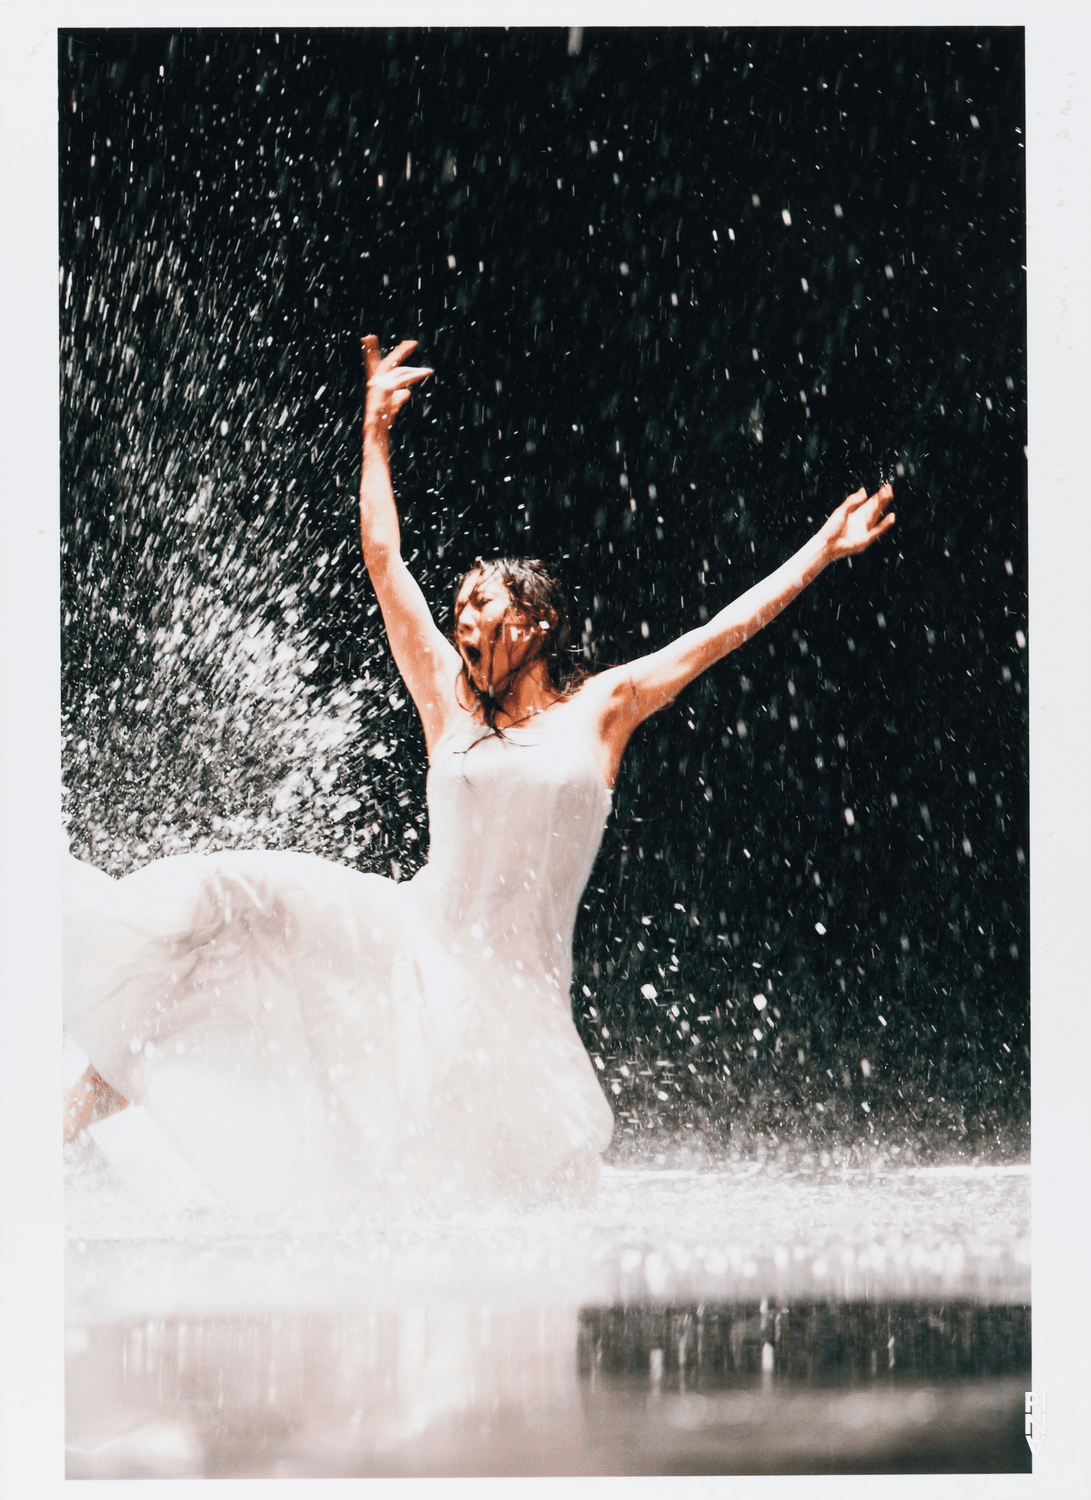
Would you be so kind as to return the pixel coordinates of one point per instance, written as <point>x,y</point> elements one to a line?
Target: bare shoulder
<point>605,691</point>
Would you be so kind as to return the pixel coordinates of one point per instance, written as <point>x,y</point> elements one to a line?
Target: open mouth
<point>472,654</point>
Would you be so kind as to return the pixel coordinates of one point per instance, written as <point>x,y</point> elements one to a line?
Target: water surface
<point>728,1317</point>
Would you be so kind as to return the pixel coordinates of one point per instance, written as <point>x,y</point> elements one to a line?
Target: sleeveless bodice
<point>515,823</point>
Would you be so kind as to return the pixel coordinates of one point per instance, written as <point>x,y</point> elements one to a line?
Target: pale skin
<point>498,648</point>
<point>92,1099</point>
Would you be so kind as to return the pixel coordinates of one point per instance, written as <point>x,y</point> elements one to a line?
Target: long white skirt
<point>305,1037</point>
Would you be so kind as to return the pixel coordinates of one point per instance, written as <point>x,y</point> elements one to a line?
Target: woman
<point>305,1033</point>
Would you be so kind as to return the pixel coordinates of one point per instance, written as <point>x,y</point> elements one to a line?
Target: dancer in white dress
<point>306,1034</point>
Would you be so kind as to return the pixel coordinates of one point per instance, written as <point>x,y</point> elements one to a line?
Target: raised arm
<point>632,693</point>
<point>427,662</point>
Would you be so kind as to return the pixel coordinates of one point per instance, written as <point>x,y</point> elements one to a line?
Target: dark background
<point>683,290</point>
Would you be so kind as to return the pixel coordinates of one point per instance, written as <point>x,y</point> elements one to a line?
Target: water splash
<point>216,729</point>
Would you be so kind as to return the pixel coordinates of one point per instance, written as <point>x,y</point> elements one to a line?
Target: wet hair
<point>539,599</point>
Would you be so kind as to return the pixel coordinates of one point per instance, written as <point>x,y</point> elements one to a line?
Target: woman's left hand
<point>857,522</point>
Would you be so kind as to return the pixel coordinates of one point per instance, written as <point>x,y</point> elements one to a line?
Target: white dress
<point>310,1036</point>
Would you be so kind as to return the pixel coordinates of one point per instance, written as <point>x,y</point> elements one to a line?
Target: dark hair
<point>537,594</point>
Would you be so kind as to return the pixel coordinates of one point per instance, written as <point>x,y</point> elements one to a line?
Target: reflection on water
<point>459,1389</point>
<point>737,1318</point>
<point>379,1392</point>
<point>690,1348</point>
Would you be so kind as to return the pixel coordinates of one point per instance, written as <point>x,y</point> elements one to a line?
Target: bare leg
<point>92,1099</point>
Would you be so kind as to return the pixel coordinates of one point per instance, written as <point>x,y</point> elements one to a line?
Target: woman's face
<point>490,633</point>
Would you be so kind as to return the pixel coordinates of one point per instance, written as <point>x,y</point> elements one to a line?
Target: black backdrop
<point>683,290</point>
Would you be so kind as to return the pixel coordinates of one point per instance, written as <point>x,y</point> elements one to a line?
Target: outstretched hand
<point>857,522</point>
<point>388,381</point>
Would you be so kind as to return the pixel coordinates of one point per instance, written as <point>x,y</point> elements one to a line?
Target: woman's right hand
<point>388,382</point>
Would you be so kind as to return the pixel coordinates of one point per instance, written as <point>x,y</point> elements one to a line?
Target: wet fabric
<point>306,1034</point>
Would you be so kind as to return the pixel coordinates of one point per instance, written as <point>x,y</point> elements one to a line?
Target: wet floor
<point>716,1319</point>
<point>462,1389</point>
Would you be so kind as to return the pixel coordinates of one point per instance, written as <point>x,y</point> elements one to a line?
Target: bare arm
<point>630,694</point>
<point>427,662</point>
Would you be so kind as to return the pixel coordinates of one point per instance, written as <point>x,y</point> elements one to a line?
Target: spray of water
<point>215,729</point>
